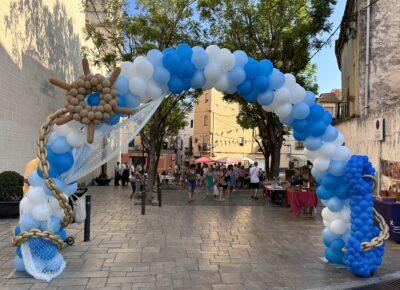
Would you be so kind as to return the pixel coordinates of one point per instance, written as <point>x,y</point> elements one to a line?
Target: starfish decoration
<point>91,99</point>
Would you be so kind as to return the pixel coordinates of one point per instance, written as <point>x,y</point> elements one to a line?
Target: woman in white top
<point>254,179</point>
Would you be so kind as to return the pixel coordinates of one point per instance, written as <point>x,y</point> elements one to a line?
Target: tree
<point>284,31</point>
<point>120,36</point>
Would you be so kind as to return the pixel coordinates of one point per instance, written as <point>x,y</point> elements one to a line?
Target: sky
<point>328,74</point>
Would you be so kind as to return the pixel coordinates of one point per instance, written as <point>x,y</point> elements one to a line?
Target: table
<point>298,198</point>
<point>275,195</point>
<point>390,211</point>
<point>168,179</point>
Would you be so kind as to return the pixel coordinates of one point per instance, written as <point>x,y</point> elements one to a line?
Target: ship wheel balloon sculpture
<point>354,232</point>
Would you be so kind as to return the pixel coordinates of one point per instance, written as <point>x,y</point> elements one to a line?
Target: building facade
<point>184,141</point>
<point>38,40</point>
<point>368,56</point>
<point>330,102</point>
<point>216,131</point>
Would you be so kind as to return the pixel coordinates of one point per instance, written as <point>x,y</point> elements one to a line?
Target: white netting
<point>108,143</point>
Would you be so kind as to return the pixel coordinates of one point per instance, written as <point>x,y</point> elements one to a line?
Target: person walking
<point>184,170</point>
<point>254,173</point>
<point>209,177</point>
<point>230,180</point>
<point>125,174</point>
<point>222,184</point>
<point>132,180</point>
<point>191,181</point>
<point>117,175</point>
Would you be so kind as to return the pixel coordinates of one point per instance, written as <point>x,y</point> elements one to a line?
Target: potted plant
<point>103,179</point>
<point>11,193</point>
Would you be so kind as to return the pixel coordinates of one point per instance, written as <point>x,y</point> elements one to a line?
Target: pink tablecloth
<point>298,198</point>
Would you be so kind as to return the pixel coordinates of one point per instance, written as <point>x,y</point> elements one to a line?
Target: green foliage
<point>11,184</point>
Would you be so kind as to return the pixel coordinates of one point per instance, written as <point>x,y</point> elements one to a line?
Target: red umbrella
<point>203,160</point>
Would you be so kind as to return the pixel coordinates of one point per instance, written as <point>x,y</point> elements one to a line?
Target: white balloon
<point>75,125</point>
<point>139,59</point>
<point>321,164</point>
<point>24,206</point>
<point>342,154</point>
<point>282,96</point>
<point>269,108</point>
<point>222,84</point>
<point>213,52</point>
<point>298,93</point>
<point>76,138</point>
<point>41,212</point>
<point>226,60</point>
<point>212,72</point>
<point>283,111</point>
<point>62,130</point>
<point>326,223</point>
<point>345,214</point>
<point>153,91</point>
<point>324,202</point>
<point>36,195</point>
<point>346,236</point>
<point>137,86</point>
<point>327,150</point>
<point>338,227</point>
<point>143,68</point>
<point>290,80</point>
<point>127,69</point>
<point>339,140</point>
<point>329,215</point>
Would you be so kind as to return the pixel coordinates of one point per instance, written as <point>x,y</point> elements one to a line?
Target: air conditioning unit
<point>379,129</point>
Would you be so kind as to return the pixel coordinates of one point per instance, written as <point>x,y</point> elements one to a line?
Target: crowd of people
<point>217,180</point>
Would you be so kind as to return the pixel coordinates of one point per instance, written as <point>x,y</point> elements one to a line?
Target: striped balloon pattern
<point>346,195</point>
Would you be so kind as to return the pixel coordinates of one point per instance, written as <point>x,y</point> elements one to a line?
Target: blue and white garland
<point>347,216</point>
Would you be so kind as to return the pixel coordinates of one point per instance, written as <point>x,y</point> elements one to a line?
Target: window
<point>191,123</point>
<point>205,120</point>
<point>299,145</point>
<point>206,97</point>
<point>330,110</point>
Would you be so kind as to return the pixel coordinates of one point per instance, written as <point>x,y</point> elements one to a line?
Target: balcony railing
<point>343,110</point>
<point>204,147</point>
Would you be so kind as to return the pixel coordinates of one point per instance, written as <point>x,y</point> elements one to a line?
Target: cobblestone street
<point>238,244</point>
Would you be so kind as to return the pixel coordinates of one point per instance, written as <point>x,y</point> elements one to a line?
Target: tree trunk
<point>275,160</point>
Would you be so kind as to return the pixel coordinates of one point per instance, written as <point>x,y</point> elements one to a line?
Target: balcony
<point>204,147</point>
<point>343,110</point>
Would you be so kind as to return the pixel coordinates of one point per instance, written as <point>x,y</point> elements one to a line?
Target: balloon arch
<point>85,133</point>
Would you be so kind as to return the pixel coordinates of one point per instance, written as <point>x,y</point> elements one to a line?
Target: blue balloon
<point>330,181</point>
<point>245,88</point>
<point>252,96</point>
<point>17,230</point>
<point>18,251</point>
<point>52,136</point>
<point>35,180</point>
<point>53,224</point>
<point>121,102</point>
<point>155,57</point>
<point>18,264</point>
<point>335,204</point>
<point>266,67</point>
<point>184,51</point>
<point>63,234</point>
<point>168,49</point>
<point>337,168</point>
<point>237,75</point>
<point>240,58</point>
<point>132,101</point>
<point>328,235</point>
<point>93,99</point>
<point>316,112</point>
<point>266,98</point>
<point>316,129</point>
<point>27,222</point>
<point>333,257</point>
<point>330,134</point>
<point>69,189</point>
<point>161,75</point>
<point>288,121</point>
<point>114,119</point>
<point>171,61</point>
<point>327,243</point>
<point>324,193</point>
<point>122,85</point>
<point>187,70</point>
<point>199,57</point>
<point>309,98</point>
<point>317,175</point>
<point>46,250</point>
<point>313,143</point>
<point>276,79</point>
<point>342,191</point>
<point>55,263</point>
<point>60,145</point>
<point>261,83</point>
<point>176,85</point>
<point>63,162</point>
<point>300,125</point>
<point>251,68</point>
<point>327,118</point>
<point>198,80</point>
<point>300,136</point>
<point>300,110</point>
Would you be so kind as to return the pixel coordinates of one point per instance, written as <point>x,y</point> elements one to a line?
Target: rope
<point>44,166</point>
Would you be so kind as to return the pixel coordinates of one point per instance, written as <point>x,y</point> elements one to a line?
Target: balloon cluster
<point>359,262</point>
<point>175,70</point>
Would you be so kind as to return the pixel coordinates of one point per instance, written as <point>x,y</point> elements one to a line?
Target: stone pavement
<point>240,244</point>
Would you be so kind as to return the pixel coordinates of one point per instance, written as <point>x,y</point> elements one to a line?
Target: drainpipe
<point>367,47</point>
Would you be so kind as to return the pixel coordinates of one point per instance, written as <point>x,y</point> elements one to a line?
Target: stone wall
<point>359,134</point>
<point>384,53</point>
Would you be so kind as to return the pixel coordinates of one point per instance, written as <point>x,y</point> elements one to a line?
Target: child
<point>191,181</point>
